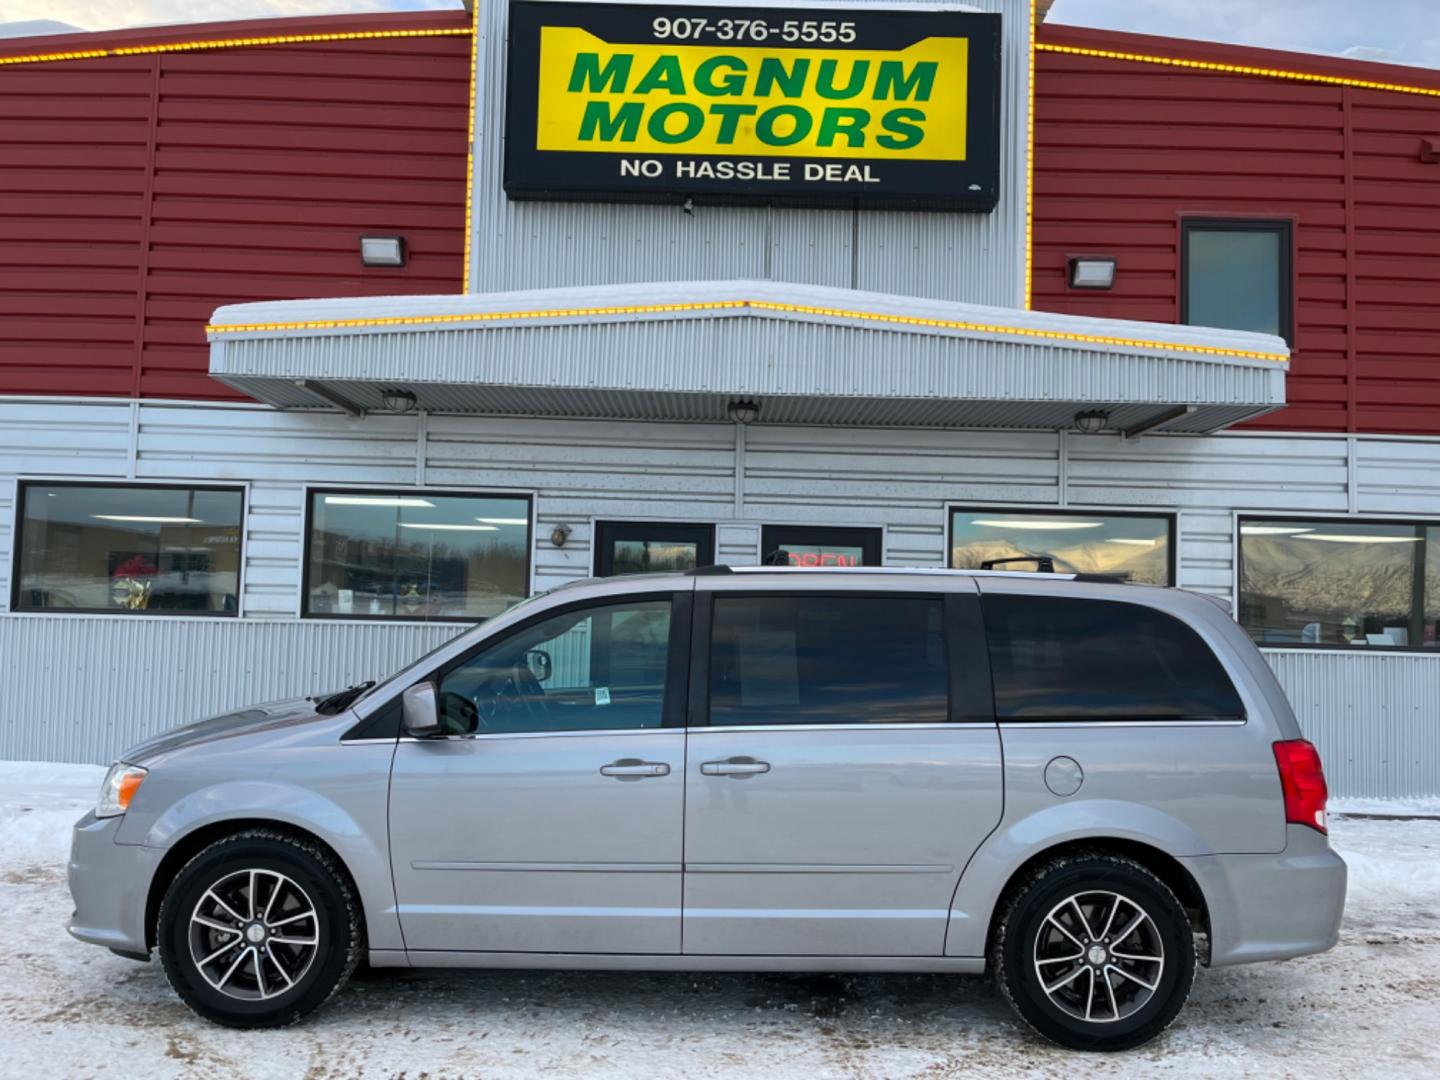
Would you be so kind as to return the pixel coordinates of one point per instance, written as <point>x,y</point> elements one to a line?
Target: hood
<point>288,712</point>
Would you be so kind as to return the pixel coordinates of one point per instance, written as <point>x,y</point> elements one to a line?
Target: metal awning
<point>686,350</point>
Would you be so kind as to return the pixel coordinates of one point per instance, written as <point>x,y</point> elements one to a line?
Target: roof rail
<point>707,571</point>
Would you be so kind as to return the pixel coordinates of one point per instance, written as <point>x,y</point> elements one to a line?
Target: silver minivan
<point>1082,787</point>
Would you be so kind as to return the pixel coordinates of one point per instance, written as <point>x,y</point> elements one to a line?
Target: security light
<point>382,250</point>
<point>1092,272</point>
<point>1090,421</point>
<point>398,401</point>
<point>743,412</point>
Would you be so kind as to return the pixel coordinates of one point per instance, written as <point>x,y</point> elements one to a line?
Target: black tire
<point>1018,952</point>
<point>313,877</point>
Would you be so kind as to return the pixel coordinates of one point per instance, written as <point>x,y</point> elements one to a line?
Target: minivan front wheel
<point>259,929</point>
<point>1094,952</point>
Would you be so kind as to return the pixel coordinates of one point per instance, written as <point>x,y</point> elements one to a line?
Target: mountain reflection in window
<point>1340,583</point>
<point>1130,547</point>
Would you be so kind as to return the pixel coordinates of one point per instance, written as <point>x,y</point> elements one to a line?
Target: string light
<point>755,305</point>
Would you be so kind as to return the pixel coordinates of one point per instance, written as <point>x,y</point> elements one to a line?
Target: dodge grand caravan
<point>1083,787</point>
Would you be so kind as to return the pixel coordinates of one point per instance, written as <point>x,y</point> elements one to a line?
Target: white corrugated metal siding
<point>83,688</point>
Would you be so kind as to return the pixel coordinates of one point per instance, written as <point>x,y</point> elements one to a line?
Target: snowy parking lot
<point>71,1010</point>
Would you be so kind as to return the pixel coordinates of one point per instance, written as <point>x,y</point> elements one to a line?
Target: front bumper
<point>1273,907</point>
<point>109,883</point>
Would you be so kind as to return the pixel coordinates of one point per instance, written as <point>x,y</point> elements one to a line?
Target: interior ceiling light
<point>1008,523</point>
<point>149,518</point>
<point>376,500</point>
<point>504,521</point>
<point>382,250</point>
<point>1092,272</point>
<point>458,528</point>
<point>1135,541</point>
<point>1350,538</point>
<point>1271,530</point>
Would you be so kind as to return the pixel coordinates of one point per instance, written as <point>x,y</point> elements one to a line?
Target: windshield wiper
<point>342,700</point>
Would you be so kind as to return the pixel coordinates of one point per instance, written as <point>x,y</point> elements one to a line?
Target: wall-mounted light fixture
<point>1091,272</point>
<point>382,250</point>
<point>1089,421</point>
<point>397,401</point>
<point>743,412</point>
<point>559,534</point>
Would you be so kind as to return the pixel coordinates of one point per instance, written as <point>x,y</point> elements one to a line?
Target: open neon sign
<point>822,558</point>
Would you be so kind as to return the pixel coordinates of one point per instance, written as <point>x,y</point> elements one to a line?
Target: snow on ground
<point>72,1010</point>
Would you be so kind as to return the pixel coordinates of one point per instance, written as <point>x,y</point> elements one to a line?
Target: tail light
<point>1303,781</point>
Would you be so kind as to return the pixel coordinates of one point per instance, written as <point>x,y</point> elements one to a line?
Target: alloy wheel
<point>254,934</point>
<point>1099,957</point>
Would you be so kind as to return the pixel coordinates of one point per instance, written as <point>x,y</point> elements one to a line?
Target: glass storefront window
<point>1340,582</point>
<point>819,545</point>
<point>1132,547</point>
<point>415,555</point>
<point>649,547</point>
<point>129,549</point>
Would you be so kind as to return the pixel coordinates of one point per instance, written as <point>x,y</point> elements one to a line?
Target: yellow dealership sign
<point>904,104</point>
<point>850,106</point>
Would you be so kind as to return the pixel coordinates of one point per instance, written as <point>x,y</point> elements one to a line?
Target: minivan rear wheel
<point>1094,952</point>
<point>259,929</point>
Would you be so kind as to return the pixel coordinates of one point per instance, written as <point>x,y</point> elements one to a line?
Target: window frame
<point>605,533</point>
<point>1283,227</point>
<point>677,657</point>
<point>399,491</point>
<point>1246,517</point>
<point>17,532</point>
<point>1170,517</point>
<point>861,536</point>
<point>967,661</point>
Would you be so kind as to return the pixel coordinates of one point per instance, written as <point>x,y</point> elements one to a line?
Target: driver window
<point>589,669</point>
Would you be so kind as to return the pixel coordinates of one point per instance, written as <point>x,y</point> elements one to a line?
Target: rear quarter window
<point>1058,658</point>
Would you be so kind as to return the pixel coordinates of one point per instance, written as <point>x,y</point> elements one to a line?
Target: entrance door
<point>548,818</point>
<point>849,770</point>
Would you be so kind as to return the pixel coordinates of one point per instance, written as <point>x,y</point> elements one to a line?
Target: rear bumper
<point>1273,907</point>
<point>109,883</point>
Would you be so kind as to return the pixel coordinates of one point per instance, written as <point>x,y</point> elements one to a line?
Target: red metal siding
<point>1124,149</point>
<point>138,193</point>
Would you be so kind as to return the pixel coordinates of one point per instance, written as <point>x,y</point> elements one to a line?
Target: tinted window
<point>128,549</point>
<point>588,669</point>
<point>1072,659</point>
<point>415,555</point>
<point>827,660</point>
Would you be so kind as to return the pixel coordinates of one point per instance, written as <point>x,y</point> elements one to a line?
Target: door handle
<point>634,769</point>
<point>735,767</point>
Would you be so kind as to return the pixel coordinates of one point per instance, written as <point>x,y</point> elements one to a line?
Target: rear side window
<point>1054,658</point>
<point>828,660</point>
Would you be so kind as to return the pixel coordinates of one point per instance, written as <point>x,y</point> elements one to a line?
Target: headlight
<point>121,784</point>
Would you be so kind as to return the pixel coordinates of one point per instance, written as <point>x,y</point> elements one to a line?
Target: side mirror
<point>419,715</point>
<point>541,666</point>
